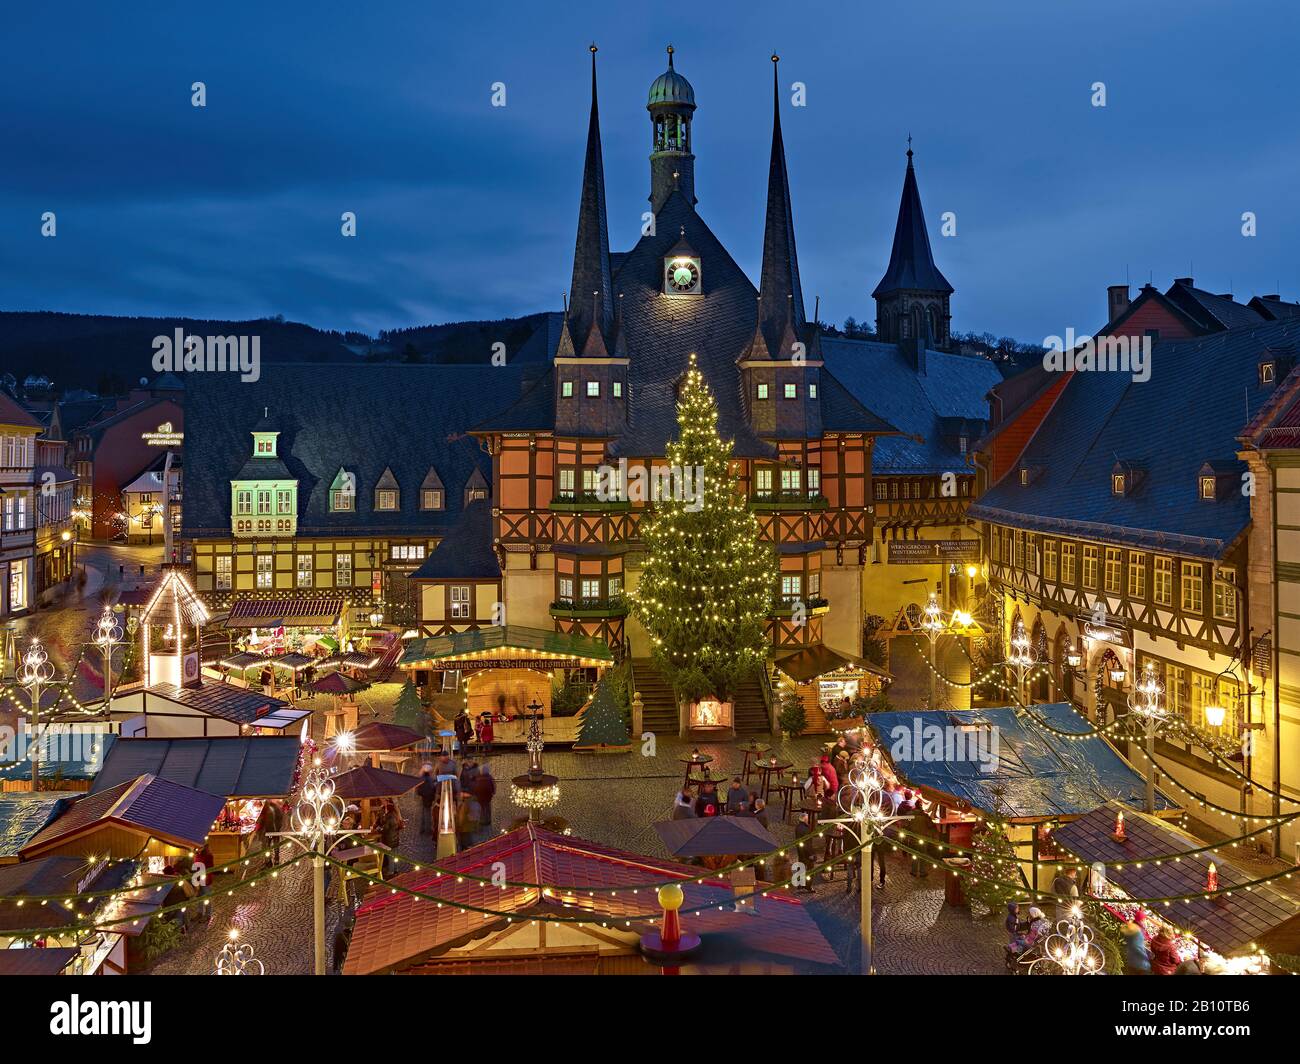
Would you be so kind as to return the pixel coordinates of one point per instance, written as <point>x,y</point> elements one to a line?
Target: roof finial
<point>670,57</point>
<point>909,149</point>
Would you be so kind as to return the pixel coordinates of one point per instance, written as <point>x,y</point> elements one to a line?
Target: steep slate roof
<point>953,386</point>
<point>1264,914</point>
<point>467,551</point>
<point>236,767</point>
<point>156,807</point>
<point>362,418</point>
<point>396,929</point>
<point>1214,311</point>
<point>911,263</point>
<point>13,414</point>
<point>1040,774</point>
<point>1201,395</point>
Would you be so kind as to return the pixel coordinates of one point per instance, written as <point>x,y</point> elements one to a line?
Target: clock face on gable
<point>682,276</point>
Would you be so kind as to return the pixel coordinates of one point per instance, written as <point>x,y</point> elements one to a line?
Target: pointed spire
<point>911,263</point>
<point>591,272</point>
<point>779,286</point>
<point>757,349</point>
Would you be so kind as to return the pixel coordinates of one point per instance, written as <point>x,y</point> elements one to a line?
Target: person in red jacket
<point>1164,957</point>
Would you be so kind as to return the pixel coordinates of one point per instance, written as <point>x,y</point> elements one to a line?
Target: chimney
<point>1186,282</point>
<point>1116,301</point>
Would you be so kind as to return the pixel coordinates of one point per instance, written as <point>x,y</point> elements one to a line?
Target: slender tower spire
<point>781,296</point>
<point>591,272</point>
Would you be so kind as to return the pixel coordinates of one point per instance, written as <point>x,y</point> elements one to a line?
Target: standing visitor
<point>427,792</point>
<point>484,789</point>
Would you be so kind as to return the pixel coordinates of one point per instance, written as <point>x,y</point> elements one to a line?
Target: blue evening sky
<point>469,211</point>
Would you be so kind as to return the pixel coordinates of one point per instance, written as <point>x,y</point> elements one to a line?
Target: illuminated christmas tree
<point>409,712</point>
<point>602,724</point>
<point>708,581</point>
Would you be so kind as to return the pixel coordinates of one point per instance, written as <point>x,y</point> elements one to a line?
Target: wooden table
<point>814,807</point>
<point>789,796</point>
<point>692,762</point>
<point>765,770</point>
<point>751,750</point>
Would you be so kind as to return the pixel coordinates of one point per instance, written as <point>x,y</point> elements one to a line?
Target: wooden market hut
<point>143,817</point>
<point>1031,769</point>
<point>1230,924</point>
<point>246,771</point>
<point>399,933</point>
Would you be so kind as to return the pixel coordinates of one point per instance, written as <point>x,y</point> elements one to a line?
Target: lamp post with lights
<point>35,673</point>
<point>1149,707</point>
<point>108,636</point>
<point>866,817</point>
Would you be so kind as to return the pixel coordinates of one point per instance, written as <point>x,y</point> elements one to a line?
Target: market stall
<point>828,683</point>
<point>1221,924</point>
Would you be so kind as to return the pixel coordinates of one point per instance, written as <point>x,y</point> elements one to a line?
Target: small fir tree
<point>409,711</point>
<point>708,579</point>
<point>602,724</point>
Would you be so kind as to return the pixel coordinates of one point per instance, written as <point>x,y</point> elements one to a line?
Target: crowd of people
<point>472,789</point>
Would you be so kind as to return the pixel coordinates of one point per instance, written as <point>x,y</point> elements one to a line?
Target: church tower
<point>912,297</point>
<point>672,166</point>
<point>592,357</point>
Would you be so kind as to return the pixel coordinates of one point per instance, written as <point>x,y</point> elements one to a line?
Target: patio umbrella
<point>365,782</point>
<point>715,836</point>
<point>377,737</point>
<point>337,683</point>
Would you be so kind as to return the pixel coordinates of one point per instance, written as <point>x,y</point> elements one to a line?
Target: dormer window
<point>386,500</point>
<point>1117,481</point>
<point>1125,479</point>
<point>343,492</point>
<point>1209,488</point>
<point>387,496</point>
<point>1267,372</point>
<point>431,499</point>
<point>1024,476</point>
<point>961,445</point>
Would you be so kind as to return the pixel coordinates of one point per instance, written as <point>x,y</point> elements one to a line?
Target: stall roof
<point>292,611</point>
<point>505,638</point>
<point>1263,915</point>
<point>1039,773</point>
<point>395,930</point>
<point>255,766</point>
<point>158,808</point>
<point>23,815</point>
<point>48,961</point>
<point>817,660</point>
<point>56,875</point>
<point>82,767</point>
<point>239,705</point>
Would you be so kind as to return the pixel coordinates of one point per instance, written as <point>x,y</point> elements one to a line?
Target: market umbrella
<point>337,683</point>
<point>715,836</point>
<point>365,782</point>
<point>379,737</point>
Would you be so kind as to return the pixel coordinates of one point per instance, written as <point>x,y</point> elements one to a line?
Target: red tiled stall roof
<point>395,931</point>
<point>1263,915</point>
<point>303,611</point>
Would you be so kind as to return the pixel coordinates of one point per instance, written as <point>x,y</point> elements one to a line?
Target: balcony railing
<point>614,606</point>
<point>588,500</point>
<point>788,500</point>
<point>785,606</point>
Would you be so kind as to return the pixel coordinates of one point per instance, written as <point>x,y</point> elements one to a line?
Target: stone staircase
<point>659,713</point>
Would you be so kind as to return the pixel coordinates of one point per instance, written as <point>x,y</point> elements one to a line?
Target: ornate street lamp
<point>933,626</point>
<point>108,635</point>
<point>1149,707</point>
<point>237,960</point>
<point>316,824</point>
<point>35,673</point>
<point>1070,949</point>
<point>866,817</point>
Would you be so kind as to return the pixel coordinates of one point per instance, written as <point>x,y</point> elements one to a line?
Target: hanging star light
<point>238,960</point>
